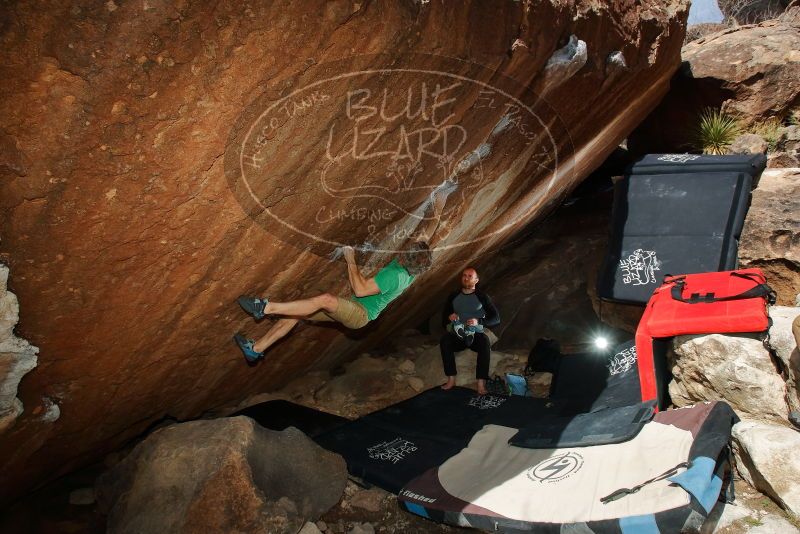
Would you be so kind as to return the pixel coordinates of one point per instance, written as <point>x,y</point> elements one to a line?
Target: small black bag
<point>497,386</point>
<point>544,357</point>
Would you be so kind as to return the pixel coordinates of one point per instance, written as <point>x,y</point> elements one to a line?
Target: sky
<point>704,11</point>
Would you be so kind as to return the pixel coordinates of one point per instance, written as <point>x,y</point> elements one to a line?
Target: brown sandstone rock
<point>771,234</point>
<point>750,72</point>
<point>128,134</point>
<point>787,149</point>
<point>740,370</point>
<point>748,144</point>
<point>756,68</point>
<point>369,500</point>
<point>224,475</point>
<point>780,160</point>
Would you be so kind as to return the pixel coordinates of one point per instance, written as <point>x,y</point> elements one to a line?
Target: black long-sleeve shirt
<point>491,317</point>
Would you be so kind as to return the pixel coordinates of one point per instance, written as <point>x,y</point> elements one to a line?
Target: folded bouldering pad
<point>610,425</point>
<point>672,223</point>
<point>752,164</point>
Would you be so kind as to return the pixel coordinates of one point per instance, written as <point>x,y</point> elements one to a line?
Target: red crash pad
<point>706,303</point>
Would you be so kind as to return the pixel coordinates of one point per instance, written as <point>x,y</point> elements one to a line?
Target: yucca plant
<point>716,131</point>
<point>770,130</point>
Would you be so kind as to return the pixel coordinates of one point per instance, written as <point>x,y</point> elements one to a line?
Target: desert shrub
<point>738,12</point>
<point>770,130</point>
<point>715,131</point>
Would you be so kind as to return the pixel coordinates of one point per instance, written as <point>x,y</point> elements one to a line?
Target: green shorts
<point>349,313</point>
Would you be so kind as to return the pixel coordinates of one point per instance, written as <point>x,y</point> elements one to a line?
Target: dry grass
<point>770,130</point>
<point>741,12</point>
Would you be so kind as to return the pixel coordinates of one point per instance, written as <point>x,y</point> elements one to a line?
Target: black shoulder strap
<point>622,492</point>
<point>759,290</point>
<point>729,495</point>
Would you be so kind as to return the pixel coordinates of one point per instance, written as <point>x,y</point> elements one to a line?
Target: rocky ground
<point>752,513</point>
<point>367,511</point>
<point>404,366</point>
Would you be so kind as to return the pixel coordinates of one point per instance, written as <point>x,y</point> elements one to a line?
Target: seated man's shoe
<point>253,306</point>
<point>246,345</point>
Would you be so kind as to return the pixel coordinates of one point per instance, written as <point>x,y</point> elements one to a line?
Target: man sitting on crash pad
<point>371,295</point>
<point>466,312</point>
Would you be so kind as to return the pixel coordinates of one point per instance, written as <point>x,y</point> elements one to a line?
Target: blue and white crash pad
<point>672,470</point>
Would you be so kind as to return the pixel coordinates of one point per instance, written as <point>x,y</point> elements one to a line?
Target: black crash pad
<point>595,381</point>
<point>392,446</point>
<point>603,427</point>
<point>752,164</point>
<point>672,224</point>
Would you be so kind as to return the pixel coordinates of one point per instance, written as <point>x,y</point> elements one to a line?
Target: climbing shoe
<point>246,345</point>
<point>253,306</point>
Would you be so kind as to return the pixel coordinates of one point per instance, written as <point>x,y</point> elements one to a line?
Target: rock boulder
<point>752,69</point>
<point>736,369</point>
<point>159,158</point>
<point>767,458</point>
<point>771,234</point>
<point>750,72</point>
<point>784,341</point>
<point>224,475</point>
<point>796,331</point>
<point>749,144</point>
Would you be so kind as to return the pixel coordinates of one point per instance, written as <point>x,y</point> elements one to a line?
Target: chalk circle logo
<point>556,468</point>
<point>354,152</point>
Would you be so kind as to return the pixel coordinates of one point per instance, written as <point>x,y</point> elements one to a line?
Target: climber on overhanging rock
<point>371,295</point>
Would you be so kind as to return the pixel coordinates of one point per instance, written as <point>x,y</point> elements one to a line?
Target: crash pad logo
<point>392,451</point>
<point>622,361</point>
<point>358,152</point>
<point>678,158</point>
<point>640,268</point>
<point>417,497</point>
<point>557,468</point>
<point>486,402</point>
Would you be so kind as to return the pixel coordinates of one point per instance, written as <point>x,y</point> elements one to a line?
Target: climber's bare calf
<point>296,309</point>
